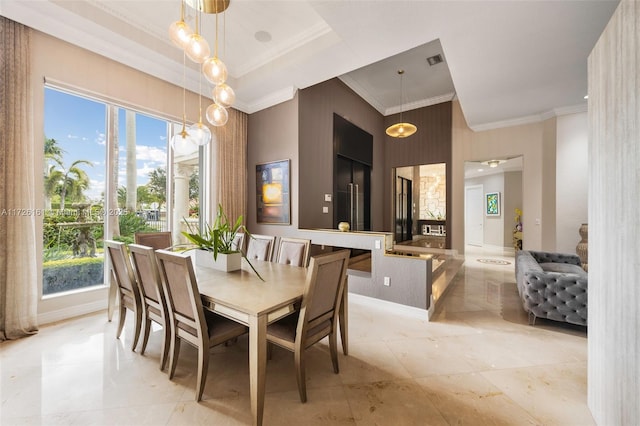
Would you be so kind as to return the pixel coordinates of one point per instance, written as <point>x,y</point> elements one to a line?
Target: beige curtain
<point>232,165</point>
<point>18,269</point>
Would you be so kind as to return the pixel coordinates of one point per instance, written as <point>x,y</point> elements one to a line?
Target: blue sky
<point>79,126</point>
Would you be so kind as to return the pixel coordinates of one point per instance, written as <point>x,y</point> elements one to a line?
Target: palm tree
<point>52,154</point>
<point>52,178</point>
<point>52,150</point>
<point>74,182</point>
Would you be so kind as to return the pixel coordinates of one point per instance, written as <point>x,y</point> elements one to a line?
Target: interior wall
<point>572,168</point>
<point>493,226</point>
<point>526,140</point>
<point>547,222</point>
<point>59,61</point>
<point>272,135</point>
<point>429,145</point>
<point>317,104</point>
<point>512,201</point>
<point>614,223</point>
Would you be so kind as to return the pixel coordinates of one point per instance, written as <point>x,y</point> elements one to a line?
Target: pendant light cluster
<point>401,129</point>
<point>197,49</point>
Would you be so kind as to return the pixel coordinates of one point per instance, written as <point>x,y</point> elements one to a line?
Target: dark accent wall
<point>316,106</point>
<point>302,129</point>
<point>431,144</point>
<point>272,135</point>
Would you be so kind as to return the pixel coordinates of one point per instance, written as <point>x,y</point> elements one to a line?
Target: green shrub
<point>71,274</point>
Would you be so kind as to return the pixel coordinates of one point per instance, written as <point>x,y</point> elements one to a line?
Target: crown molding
<point>530,119</point>
<point>269,100</point>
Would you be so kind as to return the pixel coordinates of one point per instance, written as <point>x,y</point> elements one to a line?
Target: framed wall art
<point>492,203</point>
<point>273,198</point>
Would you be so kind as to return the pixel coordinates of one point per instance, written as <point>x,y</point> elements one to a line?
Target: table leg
<point>257,365</point>
<point>343,317</point>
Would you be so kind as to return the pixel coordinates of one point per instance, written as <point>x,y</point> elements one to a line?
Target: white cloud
<point>70,136</point>
<point>151,153</point>
<point>95,190</point>
<point>146,169</point>
<point>100,138</point>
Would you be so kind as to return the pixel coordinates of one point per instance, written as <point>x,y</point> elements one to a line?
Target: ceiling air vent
<point>433,60</point>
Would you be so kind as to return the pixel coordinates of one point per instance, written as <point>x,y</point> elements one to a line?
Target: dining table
<point>256,301</point>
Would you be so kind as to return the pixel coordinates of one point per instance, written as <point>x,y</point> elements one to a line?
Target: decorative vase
<point>582,249</point>
<point>344,226</point>
<point>224,262</point>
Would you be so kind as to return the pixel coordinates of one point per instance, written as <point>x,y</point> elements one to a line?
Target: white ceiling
<point>508,62</point>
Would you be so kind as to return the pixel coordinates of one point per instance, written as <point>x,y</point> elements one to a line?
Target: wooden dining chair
<point>190,322</point>
<point>318,314</point>
<point>154,305</point>
<point>238,242</point>
<point>156,240</point>
<point>260,247</point>
<point>293,251</point>
<point>128,290</point>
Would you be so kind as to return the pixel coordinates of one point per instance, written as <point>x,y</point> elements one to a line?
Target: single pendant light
<point>401,129</point>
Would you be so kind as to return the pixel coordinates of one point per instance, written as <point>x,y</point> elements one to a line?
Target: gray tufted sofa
<point>552,286</point>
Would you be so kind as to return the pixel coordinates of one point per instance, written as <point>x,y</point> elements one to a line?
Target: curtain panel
<point>232,165</point>
<point>18,213</point>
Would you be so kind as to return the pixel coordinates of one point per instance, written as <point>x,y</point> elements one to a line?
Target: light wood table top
<point>243,297</point>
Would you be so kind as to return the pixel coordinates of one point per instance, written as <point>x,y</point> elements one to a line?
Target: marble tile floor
<point>477,362</point>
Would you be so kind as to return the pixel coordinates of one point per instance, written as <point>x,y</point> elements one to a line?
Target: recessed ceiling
<point>507,62</point>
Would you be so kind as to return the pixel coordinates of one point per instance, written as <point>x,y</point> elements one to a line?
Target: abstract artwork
<point>273,202</point>
<point>492,203</point>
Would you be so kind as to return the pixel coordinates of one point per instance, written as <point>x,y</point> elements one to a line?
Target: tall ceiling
<point>507,62</point>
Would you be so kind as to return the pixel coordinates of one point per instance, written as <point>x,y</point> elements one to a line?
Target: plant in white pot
<point>216,245</point>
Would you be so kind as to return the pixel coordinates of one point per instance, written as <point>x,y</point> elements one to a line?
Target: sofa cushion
<point>565,268</point>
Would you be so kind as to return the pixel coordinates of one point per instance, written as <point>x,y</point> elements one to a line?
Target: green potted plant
<point>216,246</point>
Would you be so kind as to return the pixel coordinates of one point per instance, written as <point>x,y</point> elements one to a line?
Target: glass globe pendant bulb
<point>214,70</point>
<point>182,143</point>
<point>180,34</point>
<point>224,95</point>
<point>198,49</point>
<point>200,134</point>
<point>217,115</point>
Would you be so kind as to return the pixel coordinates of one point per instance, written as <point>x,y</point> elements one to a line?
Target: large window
<point>107,175</point>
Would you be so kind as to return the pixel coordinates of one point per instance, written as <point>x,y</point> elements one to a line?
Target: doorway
<point>473,218</point>
<point>404,208</point>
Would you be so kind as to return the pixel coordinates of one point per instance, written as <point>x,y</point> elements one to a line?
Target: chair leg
<point>175,351</point>
<point>166,339</point>
<point>300,374</point>
<point>333,347</point>
<point>137,327</point>
<point>146,331</point>
<point>122,314</point>
<point>203,367</point>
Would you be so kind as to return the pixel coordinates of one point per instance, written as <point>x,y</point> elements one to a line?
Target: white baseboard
<point>71,312</point>
<point>391,307</point>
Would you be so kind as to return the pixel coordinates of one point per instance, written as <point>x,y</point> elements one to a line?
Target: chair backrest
<point>260,247</point>
<point>120,267</point>
<point>238,242</point>
<point>323,290</point>
<point>146,272</point>
<point>183,298</point>
<point>293,251</point>
<point>156,240</point>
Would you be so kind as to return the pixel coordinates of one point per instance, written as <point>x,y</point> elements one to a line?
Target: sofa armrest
<point>548,257</point>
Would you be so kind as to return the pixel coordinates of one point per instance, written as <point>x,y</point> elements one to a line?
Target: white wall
<point>614,222</point>
<point>493,225</point>
<point>512,200</point>
<point>571,179</point>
